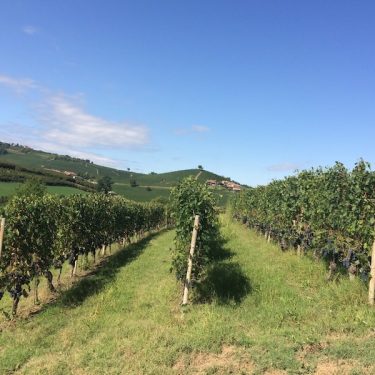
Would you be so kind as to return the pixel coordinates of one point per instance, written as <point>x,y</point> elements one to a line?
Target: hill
<point>268,312</point>
<point>44,161</point>
<point>85,173</point>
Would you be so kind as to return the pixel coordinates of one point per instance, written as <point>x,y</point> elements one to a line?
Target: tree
<point>133,182</point>
<point>32,186</point>
<point>200,167</point>
<point>105,184</point>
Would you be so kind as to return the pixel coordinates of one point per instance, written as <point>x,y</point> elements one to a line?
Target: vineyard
<point>43,232</point>
<point>253,309</point>
<point>329,212</point>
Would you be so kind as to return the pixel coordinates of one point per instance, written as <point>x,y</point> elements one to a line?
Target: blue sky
<point>249,89</point>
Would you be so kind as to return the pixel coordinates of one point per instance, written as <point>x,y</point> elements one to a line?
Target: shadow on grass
<point>93,282</point>
<point>219,252</point>
<point>225,282</point>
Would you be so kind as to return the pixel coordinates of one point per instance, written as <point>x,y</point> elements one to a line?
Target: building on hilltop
<point>211,183</point>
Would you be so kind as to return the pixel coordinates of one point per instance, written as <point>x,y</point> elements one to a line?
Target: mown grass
<point>265,310</point>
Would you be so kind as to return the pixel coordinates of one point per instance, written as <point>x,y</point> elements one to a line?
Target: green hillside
<point>149,186</point>
<point>268,312</point>
<point>44,161</point>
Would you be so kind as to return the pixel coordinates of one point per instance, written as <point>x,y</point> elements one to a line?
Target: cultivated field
<point>263,312</point>
<point>9,188</point>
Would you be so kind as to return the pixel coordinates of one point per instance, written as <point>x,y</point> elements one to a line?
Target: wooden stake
<point>2,227</point>
<point>371,288</point>
<point>299,250</point>
<point>190,260</point>
<point>75,267</point>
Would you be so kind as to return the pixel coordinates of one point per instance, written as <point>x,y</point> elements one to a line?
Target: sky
<point>253,90</point>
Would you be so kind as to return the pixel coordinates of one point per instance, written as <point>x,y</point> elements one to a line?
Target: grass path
<point>271,313</point>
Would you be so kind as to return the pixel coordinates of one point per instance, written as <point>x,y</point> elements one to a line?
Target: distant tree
<point>152,173</point>
<point>200,167</point>
<point>104,184</point>
<point>148,188</point>
<point>128,169</point>
<point>133,182</point>
<point>32,186</point>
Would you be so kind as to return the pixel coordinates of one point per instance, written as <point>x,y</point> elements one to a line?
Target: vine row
<point>42,232</point>
<point>327,211</point>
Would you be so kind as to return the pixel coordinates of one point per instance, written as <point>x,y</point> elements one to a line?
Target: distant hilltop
<point>18,163</point>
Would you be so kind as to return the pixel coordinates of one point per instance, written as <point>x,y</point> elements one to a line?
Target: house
<point>231,185</point>
<point>211,182</point>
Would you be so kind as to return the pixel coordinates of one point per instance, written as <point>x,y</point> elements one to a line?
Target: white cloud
<point>65,122</point>
<point>30,30</point>
<point>62,125</point>
<point>200,129</point>
<point>283,167</point>
<point>56,149</point>
<point>19,85</point>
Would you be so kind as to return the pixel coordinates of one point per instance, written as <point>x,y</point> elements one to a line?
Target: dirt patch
<point>309,349</point>
<point>231,360</point>
<point>333,368</point>
<point>276,372</point>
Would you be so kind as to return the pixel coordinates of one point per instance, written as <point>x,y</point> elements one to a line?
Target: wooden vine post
<point>2,228</point>
<point>371,289</point>
<point>190,260</point>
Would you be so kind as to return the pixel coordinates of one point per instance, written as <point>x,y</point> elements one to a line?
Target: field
<point>150,186</point>
<point>9,188</point>
<point>266,312</point>
<point>41,160</point>
<point>141,193</point>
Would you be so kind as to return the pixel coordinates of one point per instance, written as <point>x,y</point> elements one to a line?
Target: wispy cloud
<point>57,149</point>
<point>283,167</point>
<point>30,30</point>
<point>200,129</point>
<point>65,122</point>
<point>19,85</point>
<point>194,129</point>
<point>61,124</point>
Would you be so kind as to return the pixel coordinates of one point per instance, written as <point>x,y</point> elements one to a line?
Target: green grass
<point>140,193</point>
<point>64,190</point>
<point>267,310</point>
<point>9,188</point>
